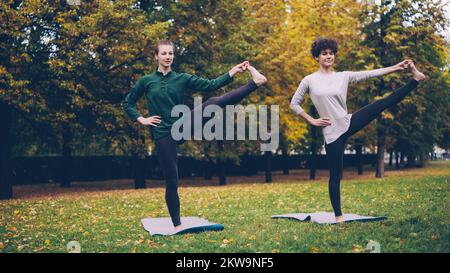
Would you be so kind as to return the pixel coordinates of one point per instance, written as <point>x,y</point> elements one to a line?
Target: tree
<point>396,30</point>
<point>70,66</point>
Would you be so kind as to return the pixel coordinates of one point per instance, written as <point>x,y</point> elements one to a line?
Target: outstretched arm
<point>201,84</point>
<point>362,75</point>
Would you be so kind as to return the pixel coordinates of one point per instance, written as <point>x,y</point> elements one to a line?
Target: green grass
<point>417,203</point>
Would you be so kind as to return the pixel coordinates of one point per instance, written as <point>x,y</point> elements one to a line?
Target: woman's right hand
<point>152,121</point>
<point>402,65</point>
<point>239,68</point>
<point>321,122</point>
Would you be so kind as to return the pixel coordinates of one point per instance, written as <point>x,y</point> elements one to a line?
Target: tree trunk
<point>285,162</point>
<point>381,131</point>
<point>66,157</point>
<point>222,164</point>
<point>139,172</point>
<point>397,160</point>
<point>222,173</point>
<point>381,146</point>
<point>313,161</point>
<point>411,160</point>
<point>246,165</point>
<point>268,156</point>
<point>209,166</point>
<point>6,191</point>
<point>421,159</point>
<point>139,167</point>
<point>313,148</point>
<point>359,163</point>
<point>391,157</point>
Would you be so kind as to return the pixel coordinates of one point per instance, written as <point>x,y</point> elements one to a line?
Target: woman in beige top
<point>328,91</point>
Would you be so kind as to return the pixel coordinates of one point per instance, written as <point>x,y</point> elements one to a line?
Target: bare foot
<point>339,219</point>
<point>417,75</point>
<point>178,228</point>
<point>257,77</point>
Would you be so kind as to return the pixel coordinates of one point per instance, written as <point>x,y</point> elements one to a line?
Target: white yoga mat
<point>328,217</point>
<point>164,226</point>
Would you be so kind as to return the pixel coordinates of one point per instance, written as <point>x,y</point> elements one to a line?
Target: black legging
<point>359,119</point>
<point>166,149</point>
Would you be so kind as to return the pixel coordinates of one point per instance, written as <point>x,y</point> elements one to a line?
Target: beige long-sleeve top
<point>328,93</point>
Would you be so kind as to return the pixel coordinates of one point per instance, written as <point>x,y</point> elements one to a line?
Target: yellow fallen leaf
<point>11,228</point>
<point>315,249</point>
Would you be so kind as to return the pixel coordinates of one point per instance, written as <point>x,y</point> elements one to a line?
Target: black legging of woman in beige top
<point>359,119</point>
<point>166,149</point>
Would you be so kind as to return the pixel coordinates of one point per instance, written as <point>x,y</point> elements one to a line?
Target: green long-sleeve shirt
<point>163,92</point>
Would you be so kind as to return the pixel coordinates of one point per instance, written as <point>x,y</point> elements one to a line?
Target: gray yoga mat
<point>328,217</point>
<point>164,226</point>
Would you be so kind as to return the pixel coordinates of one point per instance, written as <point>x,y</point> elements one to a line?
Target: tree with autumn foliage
<point>65,66</point>
<point>395,30</point>
<point>70,65</point>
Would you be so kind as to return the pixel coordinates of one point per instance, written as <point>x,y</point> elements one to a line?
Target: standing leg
<point>335,158</point>
<point>166,149</point>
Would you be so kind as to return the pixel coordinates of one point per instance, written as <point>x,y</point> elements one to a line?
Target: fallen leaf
<point>314,249</point>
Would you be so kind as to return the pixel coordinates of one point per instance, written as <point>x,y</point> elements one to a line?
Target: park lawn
<point>417,204</point>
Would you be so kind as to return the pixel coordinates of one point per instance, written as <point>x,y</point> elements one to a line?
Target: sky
<point>447,13</point>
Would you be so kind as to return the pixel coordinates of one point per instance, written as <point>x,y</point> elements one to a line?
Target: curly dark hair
<point>323,44</point>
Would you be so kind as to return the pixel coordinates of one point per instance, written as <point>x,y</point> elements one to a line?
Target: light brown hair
<point>163,42</point>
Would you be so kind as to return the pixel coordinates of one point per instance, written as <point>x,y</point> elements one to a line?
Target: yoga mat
<point>328,217</point>
<point>164,226</point>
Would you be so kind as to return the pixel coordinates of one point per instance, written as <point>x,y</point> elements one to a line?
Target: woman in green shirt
<point>165,89</point>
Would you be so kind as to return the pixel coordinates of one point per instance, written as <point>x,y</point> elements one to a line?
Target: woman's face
<point>165,56</point>
<point>326,58</point>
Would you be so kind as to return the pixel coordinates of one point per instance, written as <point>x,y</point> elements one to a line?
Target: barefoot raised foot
<point>257,77</point>
<point>417,75</point>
